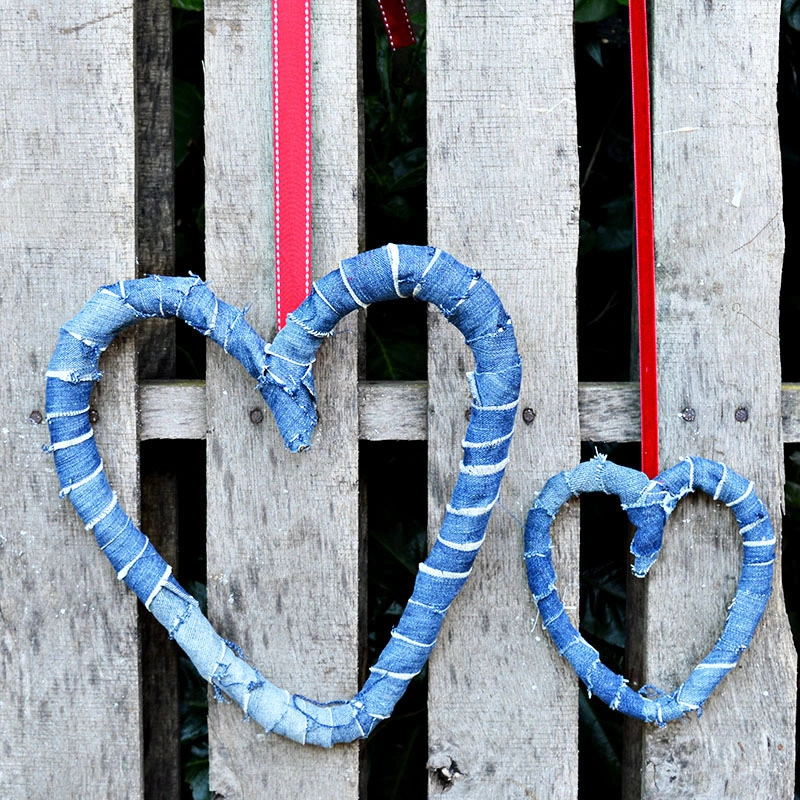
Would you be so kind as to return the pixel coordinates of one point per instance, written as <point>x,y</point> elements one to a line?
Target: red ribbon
<point>645,243</point>
<point>397,23</point>
<point>291,85</point>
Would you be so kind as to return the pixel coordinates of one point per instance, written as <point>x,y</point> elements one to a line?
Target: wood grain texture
<point>393,410</point>
<point>69,678</point>
<point>503,197</point>
<point>719,248</point>
<point>283,537</point>
<point>398,410</point>
<point>172,410</point>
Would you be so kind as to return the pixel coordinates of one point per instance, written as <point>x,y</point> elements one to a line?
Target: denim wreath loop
<point>283,371</point>
<point>648,504</point>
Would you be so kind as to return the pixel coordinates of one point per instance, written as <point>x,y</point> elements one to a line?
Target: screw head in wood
<point>256,416</point>
<point>528,415</point>
<point>688,414</point>
<point>36,417</point>
<point>741,414</point>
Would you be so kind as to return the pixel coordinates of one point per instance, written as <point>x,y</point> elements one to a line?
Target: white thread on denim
<point>104,513</point>
<point>721,483</point>
<point>324,299</point>
<point>62,414</point>
<point>272,353</point>
<point>213,324</point>
<point>396,635</point>
<point>739,499</point>
<point>310,331</point>
<point>690,482</point>
<point>705,665</point>
<point>356,298</point>
<point>482,469</point>
<point>471,286</point>
<point>82,339</point>
<point>63,445</point>
<point>442,573</point>
<point>490,443</point>
<point>749,527</point>
<point>158,587</point>
<point>394,260</point>
<point>83,481</point>
<point>116,536</point>
<point>472,511</point>
<point>68,376</point>
<point>418,287</point>
<point>760,542</point>
<point>506,407</point>
<point>122,574</point>
<point>401,676</point>
<point>464,547</point>
<point>428,607</point>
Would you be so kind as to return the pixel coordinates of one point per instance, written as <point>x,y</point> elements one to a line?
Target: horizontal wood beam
<point>397,410</point>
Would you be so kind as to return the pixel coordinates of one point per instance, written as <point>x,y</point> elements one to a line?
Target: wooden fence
<point>85,190</point>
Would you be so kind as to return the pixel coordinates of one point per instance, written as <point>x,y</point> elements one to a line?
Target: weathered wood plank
<point>398,410</point>
<point>392,410</point>
<point>503,197</point>
<point>289,594</point>
<point>719,239</point>
<point>69,677</point>
<point>172,410</point>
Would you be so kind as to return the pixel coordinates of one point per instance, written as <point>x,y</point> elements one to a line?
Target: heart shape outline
<point>283,371</point>
<point>648,504</point>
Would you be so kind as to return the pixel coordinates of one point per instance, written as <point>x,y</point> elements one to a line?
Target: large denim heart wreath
<point>283,371</point>
<point>648,504</point>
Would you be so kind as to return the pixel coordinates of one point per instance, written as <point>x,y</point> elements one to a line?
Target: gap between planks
<point>397,410</point>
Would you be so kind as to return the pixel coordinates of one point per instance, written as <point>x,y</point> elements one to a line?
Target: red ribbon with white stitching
<point>645,247</point>
<point>291,105</point>
<point>397,23</point>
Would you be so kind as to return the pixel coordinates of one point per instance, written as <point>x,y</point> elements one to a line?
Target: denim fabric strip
<point>648,505</point>
<point>282,370</point>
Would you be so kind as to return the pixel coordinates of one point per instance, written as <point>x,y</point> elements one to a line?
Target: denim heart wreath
<point>283,371</point>
<point>648,504</point>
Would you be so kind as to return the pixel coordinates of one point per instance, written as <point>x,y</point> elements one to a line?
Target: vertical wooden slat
<point>503,197</point>
<point>69,677</point>
<point>719,241</point>
<point>283,540</point>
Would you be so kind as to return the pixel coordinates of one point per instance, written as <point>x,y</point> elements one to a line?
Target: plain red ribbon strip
<point>291,100</point>
<point>645,247</point>
<point>397,23</point>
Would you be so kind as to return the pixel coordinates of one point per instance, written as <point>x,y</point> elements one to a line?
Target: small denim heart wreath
<point>648,504</point>
<point>283,370</point>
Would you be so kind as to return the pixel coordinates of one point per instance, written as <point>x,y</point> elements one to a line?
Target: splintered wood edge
<point>397,411</point>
